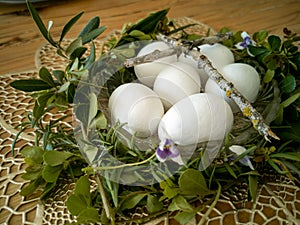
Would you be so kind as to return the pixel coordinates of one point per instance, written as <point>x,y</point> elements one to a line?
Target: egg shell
<point>244,78</point>
<point>138,106</point>
<point>147,72</point>
<point>198,118</point>
<point>189,60</point>
<point>219,55</point>
<point>176,82</point>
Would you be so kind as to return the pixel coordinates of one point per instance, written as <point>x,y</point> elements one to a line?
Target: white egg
<point>176,82</point>
<point>189,60</point>
<point>245,79</point>
<point>147,72</point>
<point>219,55</point>
<point>138,107</point>
<point>198,118</point>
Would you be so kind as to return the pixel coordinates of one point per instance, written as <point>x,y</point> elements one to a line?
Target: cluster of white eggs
<point>167,98</point>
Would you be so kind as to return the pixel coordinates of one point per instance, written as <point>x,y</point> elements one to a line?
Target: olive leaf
<point>59,75</point>
<point>45,75</point>
<point>29,85</point>
<point>77,43</point>
<point>149,24</point>
<point>92,34</point>
<point>91,25</point>
<point>132,201</point>
<point>69,24</point>
<point>37,19</point>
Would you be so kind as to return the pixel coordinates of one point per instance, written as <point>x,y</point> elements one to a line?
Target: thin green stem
<point>99,168</point>
<point>107,208</point>
<point>204,217</point>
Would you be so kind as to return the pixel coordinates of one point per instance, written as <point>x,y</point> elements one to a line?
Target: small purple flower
<point>247,41</point>
<point>167,149</point>
<point>238,150</point>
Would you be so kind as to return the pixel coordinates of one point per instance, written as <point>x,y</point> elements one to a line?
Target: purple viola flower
<point>167,149</point>
<point>247,41</point>
<point>238,150</point>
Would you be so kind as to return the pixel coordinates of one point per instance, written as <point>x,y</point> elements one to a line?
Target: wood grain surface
<point>19,37</point>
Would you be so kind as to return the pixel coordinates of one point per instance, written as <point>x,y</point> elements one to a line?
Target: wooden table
<point>19,37</point>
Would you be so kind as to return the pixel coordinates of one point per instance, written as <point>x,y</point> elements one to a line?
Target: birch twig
<point>245,106</point>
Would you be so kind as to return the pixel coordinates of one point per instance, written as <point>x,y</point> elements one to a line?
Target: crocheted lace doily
<point>278,201</point>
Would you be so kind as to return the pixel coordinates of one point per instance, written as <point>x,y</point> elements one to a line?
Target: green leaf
<point>83,189</point>
<point>77,43</point>
<point>47,190</point>
<point>32,175</point>
<point>55,158</point>
<point>230,170</point>
<point>51,173</point>
<point>276,167</point>
<point>59,75</point>
<point>268,77</point>
<point>89,215</point>
<point>271,61</point>
<point>68,26</point>
<point>64,87</point>
<point>260,36</point>
<point>71,93</point>
<point>258,50</point>
<point>294,156</point>
<point>192,182</point>
<point>253,185</point>
<point>274,42</point>
<point>78,53</point>
<point>38,21</point>
<point>31,187</point>
<point>29,85</point>
<point>185,217</point>
<point>288,84</point>
<point>45,75</point>
<point>93,107</point>
<point>35,153</point>
<point>43,99</point>
<point>149,24</point>
<point>91,25</point>
<point>169,190</point>
<point>38,110</point>
<point>76,204</point>
<point>132,201</point>
<point>100,121</point>
<point>93,34</point>
<point>81,199</point>
<point>153,204</point>
<point>180,203</point>
<point>92,57</point>
<point>290,100</point>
